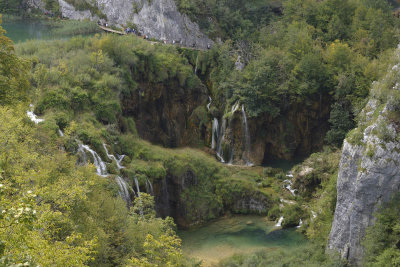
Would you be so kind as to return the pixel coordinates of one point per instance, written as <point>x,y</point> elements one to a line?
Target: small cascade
<point>221,139</point>
<point>289,187</point>
<point>149,187</point>
<point>279,223</point>
<point>113,158</point>
<point>246,138</point>
<point>101,168</point>
<point>32,116</point>
<point>60,133</point>
<point>197,61</point>
<point>209,103</point>
<point>123,189</point>
<point>300,223</point>
<point>137,186</point>
<point>235,107</point>
<point>214,133</point>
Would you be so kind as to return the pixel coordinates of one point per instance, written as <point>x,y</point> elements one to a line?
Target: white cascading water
<point>113,158</point>
<point>235,107</point>
<point>209,103</point>
<point>246,138</point>
<point>279,223</point>
<point>149,187</point>
<point>137,186</point>
<point>60,133</point>
<point>101,168</point>
<point>221,138</point>
<point>289,184</point>
<point>123,189</point>
<point>197,61</point>
<point>32,116</point>
<point>214,133</point>
<point>300,223</point>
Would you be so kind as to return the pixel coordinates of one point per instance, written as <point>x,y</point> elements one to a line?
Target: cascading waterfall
<point>300,223</point>
<point>279,223</point>
<point>209,103</point>
<point>197,61</point>
<point>32,116</point>
<point>60,133</point>
<point>246,138</point>
<point>221,139</point>
<point>101,168</point>
<point>113,158</point>
<point>214,133</point>
<point>123,189</point>
<point>149,187</point>
<point>137,186</point>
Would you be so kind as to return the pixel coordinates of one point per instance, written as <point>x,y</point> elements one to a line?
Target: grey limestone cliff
<point>159,19</point>
<point>369,171</point>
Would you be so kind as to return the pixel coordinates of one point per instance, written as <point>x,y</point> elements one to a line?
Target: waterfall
<point>123,189</point>
<point>235,107</point>
<point>289,187</point>
<point>113,158</point>
<point>149,187</point>
<point>60,133</point>
<point>221,139</point>
<point>246,138</point>
<point>300,223</point>
<point>137,186</point>
<point>101,168</point>
<point>33,116</point>
<point>197,60</point>
<point>214,133</point>
<point>209,103</point>
<point>279,223</point>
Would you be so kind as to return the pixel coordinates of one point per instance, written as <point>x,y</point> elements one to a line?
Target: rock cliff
<point>369,172</point>
<point>159,19</point>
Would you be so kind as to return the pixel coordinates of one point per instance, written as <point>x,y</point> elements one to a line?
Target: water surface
<point>21,30</point>
<point>239,234</point>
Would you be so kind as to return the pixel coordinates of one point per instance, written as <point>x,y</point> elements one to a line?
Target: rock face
<point>369,175</point>
<point>159,19</point>
<point>297,132</point>
<point>163,113</point>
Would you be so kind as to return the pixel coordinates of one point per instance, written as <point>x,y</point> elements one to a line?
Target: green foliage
<point>341,123</point>
<point>382,240</point>
<point>13,80</point>
<point>310,255</point>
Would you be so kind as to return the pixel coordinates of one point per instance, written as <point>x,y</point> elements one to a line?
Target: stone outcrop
<point>159,19</point>
<point>369,172</point>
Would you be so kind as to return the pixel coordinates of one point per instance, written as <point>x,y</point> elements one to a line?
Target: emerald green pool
<point>239,234</point>
<point>22,30</point>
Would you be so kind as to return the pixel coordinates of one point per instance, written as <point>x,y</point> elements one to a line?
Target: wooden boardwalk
<point>111,30</point>
<point>106,29</point>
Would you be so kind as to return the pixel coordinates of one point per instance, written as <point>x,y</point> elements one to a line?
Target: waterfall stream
<point>209,103</point>
<point>101,168</point>
<point>214,133</point>
<point>246,138</point>
<point>60,133</point>
<point>279,223</point>
<point>149,187</point>
<point>197,61</point>
<point>113,158</point>
<point>137,186</point>
<point>123,189</point>
<point>221,138</point>
<point>32,116</point>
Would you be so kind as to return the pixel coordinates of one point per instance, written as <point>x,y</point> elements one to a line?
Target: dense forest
<point>102,98</point>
